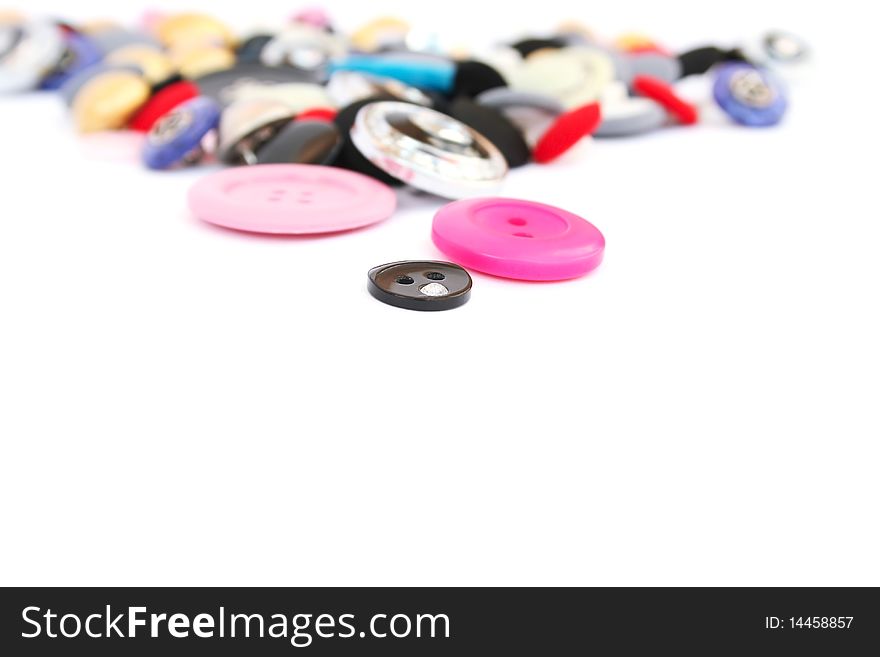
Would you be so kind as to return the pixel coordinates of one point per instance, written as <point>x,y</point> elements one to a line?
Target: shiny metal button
<point>347,87</point>
<point>428,150</point>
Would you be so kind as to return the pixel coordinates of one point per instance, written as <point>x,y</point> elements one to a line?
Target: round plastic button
<point>107,101</point>
<point>162,102</point>
<point>518,239</point>
<point>74,84</point>
<point>624,115</point>
<point>665,95</point>
<point>155,65</point>
<point>178,138</point>
<point>567,131</point>
<point>224,86</point>
<point>420,285</point>
<point>750,96</point>
<point>290,199</point>
<point>495,127</point>
<point>302,142</point>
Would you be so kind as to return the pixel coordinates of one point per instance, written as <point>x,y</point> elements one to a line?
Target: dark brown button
<point>420,285</point>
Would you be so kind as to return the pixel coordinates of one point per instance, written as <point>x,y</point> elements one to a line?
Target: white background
<point>185,405</point>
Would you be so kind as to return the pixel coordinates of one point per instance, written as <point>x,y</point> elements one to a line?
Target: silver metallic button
<point>347,87</point>
<point>428,150</point>
<point>302,46</point>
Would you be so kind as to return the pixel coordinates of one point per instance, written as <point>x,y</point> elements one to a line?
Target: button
<point>347,87</point>
<point>162,102</point>
<point>192,28</point>
<point>72,86</point>
<point>302,46</point>
<point>428,150</point>
<point>110,39</point>
<point>473,78</point>
<point>664,94</point>
<point>657,65</point>
<point>155,65</point>
<point>350,156</point>
<point>575,75</point>
<point>384,32</point>
<point>302,142</point>
<point>107,101</point>
<point>38,49</point>
<point>314,16</point>
<point>224,86</point>
<point>785,48</point>
<point>194,62</point>
<point>531,113</point>
<point>249,50</point>
<point>517,239</point>
<point>505,98</point>
<point>181,137</point>
<point>246,125</point>
<point>298,96</point>
<point>291,199</point>
<point>427,72</point>
<point>318,114</point>
<point>567,130</point>
<point>749,95</point>
<point>420,285</point>
<point>526,47</point>
<point>495,127</point>
<point>624,115</point>
<point>81,53</point>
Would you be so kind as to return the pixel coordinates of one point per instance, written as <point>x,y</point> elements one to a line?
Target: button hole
<point>435,276</point>
<point>523,235</point>
<point>516,221</point>
<point>404,280</point>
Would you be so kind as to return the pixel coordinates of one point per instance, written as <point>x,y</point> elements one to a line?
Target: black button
<point>495,127</point>
<point>302,142</point>
<point>473,78</point>
<point>526,47</point>
<point>420,285</point>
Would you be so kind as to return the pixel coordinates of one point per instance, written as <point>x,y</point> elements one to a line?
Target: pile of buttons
<point>318,127</point>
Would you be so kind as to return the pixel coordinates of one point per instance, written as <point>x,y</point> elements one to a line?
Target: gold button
<point>380,32</point>
<point>155,65</point>
<point>193,62</point>
<point>107,101</point>
<point>194,29</point>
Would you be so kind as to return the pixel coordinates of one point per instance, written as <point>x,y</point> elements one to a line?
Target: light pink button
<point>518,239</point>
<point>291,199</point>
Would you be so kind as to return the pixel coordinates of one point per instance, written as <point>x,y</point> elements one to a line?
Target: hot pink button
<point>291,199</point>
<point>518,239</point>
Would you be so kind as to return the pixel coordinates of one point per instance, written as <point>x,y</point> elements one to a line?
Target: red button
<point>566,131</point>
<point>162,102</point>
<point>663,93</point>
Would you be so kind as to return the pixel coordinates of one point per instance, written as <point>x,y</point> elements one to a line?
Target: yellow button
<point>379,32</point>
<point>634,41</point>
<point>193,62</point>
<point>107,101</point>
<point>156,66</point>
<point>194,29</point>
